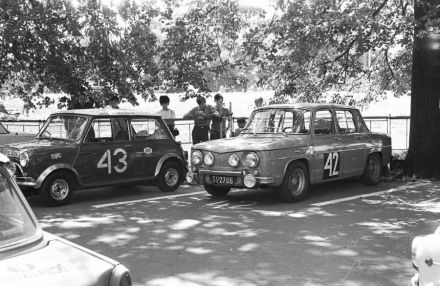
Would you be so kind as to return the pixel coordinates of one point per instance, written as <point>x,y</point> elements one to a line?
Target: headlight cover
<point>196,157</point>
<point>209,159</point>
<point>24,159</point>
<point>251,160</point>
<point>120,276</point>
<point>233,160</point>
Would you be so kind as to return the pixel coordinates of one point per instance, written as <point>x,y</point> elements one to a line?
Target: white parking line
<point>147,200</point>
<point>332,202</point>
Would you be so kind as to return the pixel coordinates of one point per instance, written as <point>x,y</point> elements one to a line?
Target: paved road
<point>335,237</point>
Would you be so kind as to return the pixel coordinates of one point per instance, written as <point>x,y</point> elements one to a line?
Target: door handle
<point>359,137</point>
<point>337,138</point>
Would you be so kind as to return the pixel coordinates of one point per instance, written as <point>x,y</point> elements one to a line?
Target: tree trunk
<point>423,159</point>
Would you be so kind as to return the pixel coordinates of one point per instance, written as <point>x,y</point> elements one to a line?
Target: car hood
<point>256,142</point>
<point>30,146</point>
<point>58,263</point>
<point>15,137</point>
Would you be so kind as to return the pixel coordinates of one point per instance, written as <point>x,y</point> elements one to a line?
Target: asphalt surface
<point>249,237</point>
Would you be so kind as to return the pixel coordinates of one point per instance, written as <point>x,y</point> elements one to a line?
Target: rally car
<point>30,256</point>
<point>97,147</point>
<point>425,253</point>
<point>290,147</point>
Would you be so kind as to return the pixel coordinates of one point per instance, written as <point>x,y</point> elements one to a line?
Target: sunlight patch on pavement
<point>197,279</point>
<point>198,250</point>
<point>248,247</point>
<point>185,224</point>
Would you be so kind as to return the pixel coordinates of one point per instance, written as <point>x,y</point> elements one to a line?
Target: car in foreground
<point>290,147</point>
<point>7,137</point>
<point>425,254</point>
<point>30,256</point>
<point>89,148</point>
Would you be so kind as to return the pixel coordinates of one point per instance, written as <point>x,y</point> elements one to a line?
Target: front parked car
<point>291,147</point>
<point>425,253</point>
<point>90,148</point>
<point>30,256</point>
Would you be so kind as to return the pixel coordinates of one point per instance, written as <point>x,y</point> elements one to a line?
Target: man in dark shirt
<point>202,115</point>
<point>218,126</point>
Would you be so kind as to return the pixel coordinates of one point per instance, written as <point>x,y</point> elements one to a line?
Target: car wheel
<point>170,177</point>
<point>217,191</point>
<point>296,183</point>
<point>373,170</point>
<point>57,189</point>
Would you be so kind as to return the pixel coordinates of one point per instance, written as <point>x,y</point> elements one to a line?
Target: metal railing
<point>395,126</point>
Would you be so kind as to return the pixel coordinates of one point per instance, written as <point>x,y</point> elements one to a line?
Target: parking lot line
<point>146,200</point>
<point>332,202</point>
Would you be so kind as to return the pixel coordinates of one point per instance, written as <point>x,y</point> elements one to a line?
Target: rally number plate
<point>222,180</point>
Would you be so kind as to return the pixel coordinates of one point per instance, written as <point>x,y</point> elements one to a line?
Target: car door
<point>327,147</point>
<point>106,153</point>
<point>151,140</point>
<point>353,153</point>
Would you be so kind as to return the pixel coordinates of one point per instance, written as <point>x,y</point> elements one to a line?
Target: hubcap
<point>373,168</point>
<point>59,189</point>
<point>171,177</point>
<point>297,181</point>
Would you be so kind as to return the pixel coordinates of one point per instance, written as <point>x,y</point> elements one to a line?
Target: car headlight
<point>209,159</point>
<point>24,159</point>
<point>233,160</point>
<point>196,157</point>
<point>251,160</point>
<point>120,276</point>
<point>11,168</point>
<point>414,245</point>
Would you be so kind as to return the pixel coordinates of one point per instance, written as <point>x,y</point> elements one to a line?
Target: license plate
<point>222,180</point>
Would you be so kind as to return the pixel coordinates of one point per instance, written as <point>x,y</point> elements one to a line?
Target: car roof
<point>311,106</point>
<point>104,112</point>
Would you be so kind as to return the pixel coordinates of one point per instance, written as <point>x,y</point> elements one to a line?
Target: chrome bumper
<point>193,178</point>
<point>26,182</point>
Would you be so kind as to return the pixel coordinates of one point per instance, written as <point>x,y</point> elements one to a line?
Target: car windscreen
<point>16,224</point>
<point>67,127</point>
<point>3,129</point>
<point>279,120</point>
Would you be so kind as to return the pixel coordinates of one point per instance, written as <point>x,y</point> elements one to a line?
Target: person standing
<point>202,115</point>
<point>218,125</point>
<point>167,114</point>
<point>258,102</point>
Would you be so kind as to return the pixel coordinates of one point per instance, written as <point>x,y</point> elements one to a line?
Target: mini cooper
<point>30,256</point>
<point>425,253</point>
<point>97,147</point>
<point>291,147</point>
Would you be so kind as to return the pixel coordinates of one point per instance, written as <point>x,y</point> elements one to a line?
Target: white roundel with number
<point>106,161</point>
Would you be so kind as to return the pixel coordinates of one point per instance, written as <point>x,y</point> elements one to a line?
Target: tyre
<point>217,191</point>
<point>373,170</point>
<point>170,176</point>
<point>57,189</point>
<point>296,183</point>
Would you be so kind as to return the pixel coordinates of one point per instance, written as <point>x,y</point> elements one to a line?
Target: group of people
<point>210,122</point>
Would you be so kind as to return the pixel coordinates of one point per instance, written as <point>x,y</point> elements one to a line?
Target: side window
<point>120,129</point>
<point>100,131</point>
<point>360,123</point>
<point>323,123</point>
<point>346,122</point>
<point>147,128</point>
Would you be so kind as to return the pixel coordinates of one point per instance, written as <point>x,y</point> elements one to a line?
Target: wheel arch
<point>56,168</point>
<point>304,160</point>
<point>168,158</point>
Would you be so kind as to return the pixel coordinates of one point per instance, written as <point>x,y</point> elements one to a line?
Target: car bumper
<point>241,179</point>
<point>26,182</point>
<point>415,280</point>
